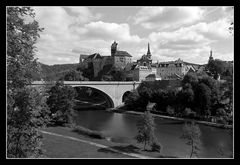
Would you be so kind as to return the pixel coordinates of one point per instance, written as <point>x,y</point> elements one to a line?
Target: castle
<point>118,59</point>
<point>141,70</point>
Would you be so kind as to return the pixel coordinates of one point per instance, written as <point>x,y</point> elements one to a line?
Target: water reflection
<point>122,129</point>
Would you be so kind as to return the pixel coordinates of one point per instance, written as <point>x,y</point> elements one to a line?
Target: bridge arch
<point>107,97</point>
<point>113,90</point>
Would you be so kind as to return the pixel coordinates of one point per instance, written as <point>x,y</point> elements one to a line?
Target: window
<point>121,59</point>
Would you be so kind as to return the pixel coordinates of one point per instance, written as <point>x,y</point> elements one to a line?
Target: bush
<point>220,112</point>
<point>88,132</point>
<point>155,146</point>
<point>189,113</point>
<point>170,110</point>
<point>221,121</point>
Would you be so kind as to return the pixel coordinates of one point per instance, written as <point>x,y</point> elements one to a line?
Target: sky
<point>173,32</point>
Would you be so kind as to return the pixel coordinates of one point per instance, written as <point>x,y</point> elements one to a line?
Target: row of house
<point>141,70</point>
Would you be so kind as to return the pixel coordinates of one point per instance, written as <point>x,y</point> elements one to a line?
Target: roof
<point>181,61</point>
<point>122,53</point>
<point>133,66</point>
<point>151,76</point>
<point>174,76</point>
<point>154,65</point>
<point>95,55</point>
<point>83,56</point>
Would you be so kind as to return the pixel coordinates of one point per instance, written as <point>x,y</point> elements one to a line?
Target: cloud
<point>167,17</point>
<point>215,29</point>
<point>59,36</point>
<point>82,14</point>
<point>109,31</point>
<point>179,39</point>
<point>71,31</point>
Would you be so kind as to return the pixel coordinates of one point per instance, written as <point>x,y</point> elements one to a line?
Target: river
<point>122,127</point>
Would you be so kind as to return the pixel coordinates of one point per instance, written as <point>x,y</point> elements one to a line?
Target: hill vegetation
<point>53,72</point>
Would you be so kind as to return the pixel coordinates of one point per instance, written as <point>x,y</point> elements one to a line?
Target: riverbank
<point>64,142</point>
<point>117,110</point>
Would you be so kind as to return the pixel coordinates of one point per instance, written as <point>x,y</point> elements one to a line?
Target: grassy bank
<point>59,147</point>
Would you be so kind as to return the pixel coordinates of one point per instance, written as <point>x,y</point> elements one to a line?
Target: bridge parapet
<point>89,82</point>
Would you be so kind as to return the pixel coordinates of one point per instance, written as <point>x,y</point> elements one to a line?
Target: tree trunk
<point>192,150</point>
<point>144,145</point>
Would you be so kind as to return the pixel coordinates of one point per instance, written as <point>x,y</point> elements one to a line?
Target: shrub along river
<point>122,129</point>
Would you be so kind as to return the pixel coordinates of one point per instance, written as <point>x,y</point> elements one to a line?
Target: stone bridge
<point>114,90</point>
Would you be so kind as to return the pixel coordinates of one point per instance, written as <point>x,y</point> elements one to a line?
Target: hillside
<point>54,72</point>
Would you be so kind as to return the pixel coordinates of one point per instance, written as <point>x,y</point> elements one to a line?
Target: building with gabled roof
<point>176,69</point>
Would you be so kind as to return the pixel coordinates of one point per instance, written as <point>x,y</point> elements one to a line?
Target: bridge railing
<point>88,82</point>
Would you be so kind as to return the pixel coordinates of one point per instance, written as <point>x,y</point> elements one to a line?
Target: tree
<point>160,98</point>
<point>118,74</point>
<point>216,67</point>
<point>26,108</point>
<point>192,133</point>
<point>202,99</point>
<point>88,72</point>
<point>146,127</point>
<point>61,103</point>
<point>186,96</point>
<point>21,38</point>
<point>26,112</point>
<point>74,75</point>
<point>190,78</point>
<point>135,102</point>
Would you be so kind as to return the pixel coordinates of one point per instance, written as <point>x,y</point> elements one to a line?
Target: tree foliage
<point>61,103</point>
<point>146,127</point>
<point>21,38</point>
<point>74,75</point>
<point>26,109</point>
<point>203,99</point>
<point>135,102</point>
<point>192,133</point>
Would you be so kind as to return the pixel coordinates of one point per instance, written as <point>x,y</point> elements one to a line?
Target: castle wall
<point>121,61</point>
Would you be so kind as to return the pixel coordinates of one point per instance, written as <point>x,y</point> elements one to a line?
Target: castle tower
<point>113,48</point>
<point>148,52</point>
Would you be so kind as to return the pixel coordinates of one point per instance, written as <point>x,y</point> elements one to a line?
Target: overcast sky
<point>188,33</point>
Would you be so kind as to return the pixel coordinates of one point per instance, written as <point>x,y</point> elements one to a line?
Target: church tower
<point>148,52</point>
<point>113,48</point>
<point>211,57</point>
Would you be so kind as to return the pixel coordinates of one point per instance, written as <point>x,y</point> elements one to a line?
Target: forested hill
<point>54,72</point>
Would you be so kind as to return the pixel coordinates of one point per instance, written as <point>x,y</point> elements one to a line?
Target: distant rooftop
<point>122,53</point>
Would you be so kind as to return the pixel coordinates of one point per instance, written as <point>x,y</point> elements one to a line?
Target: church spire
<point>211,57</point>
<point>148,52</point>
